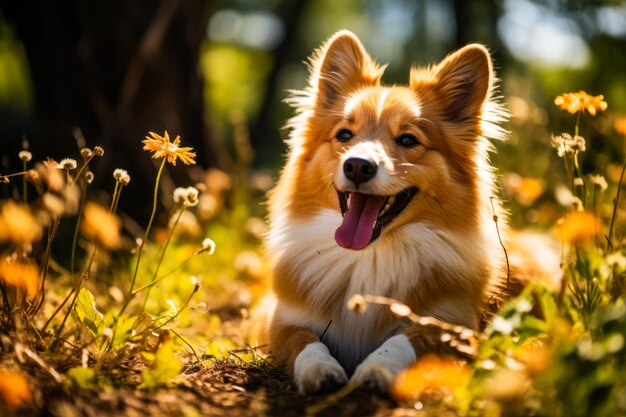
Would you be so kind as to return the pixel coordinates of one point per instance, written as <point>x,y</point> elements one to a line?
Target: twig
<point>331,399</point>
<point>188,345</point>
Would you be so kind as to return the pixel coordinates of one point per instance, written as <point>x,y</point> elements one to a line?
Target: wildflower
<point>53,204</point>
<point>581,101</point>
<point>616,259</point>
<point>17,224</point>
<point>431,374</point>
<point>68,164</point>
<point>14,389</point>
<point>100,225</point>
<point>578,226</point>
<point>86,153</point>
<point>599,182</point>
<point>186,196</point>
<point>4,180</point>
<point>208,246</point>
<point>566,145</point>
<point>163,148</point>
<point>357,303</point>
<point>620,125</point>
<point>121,176</point>
<point>25,156</point>
<point>89,177</point>
<point>20,275</point>
<point>98,151</point>
<point>578,182</point>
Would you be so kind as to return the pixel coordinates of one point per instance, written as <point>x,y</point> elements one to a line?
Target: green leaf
<point>165,367</point>
<point>87,312</point>
<point>83,377</point>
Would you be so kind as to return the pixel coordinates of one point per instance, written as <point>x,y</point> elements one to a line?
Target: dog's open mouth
<point>364,215</point>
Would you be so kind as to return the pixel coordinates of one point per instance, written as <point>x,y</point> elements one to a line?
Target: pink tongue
<point>358,223</point>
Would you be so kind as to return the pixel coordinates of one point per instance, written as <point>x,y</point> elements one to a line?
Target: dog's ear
<point>463,82</point>
<point>340,66</point>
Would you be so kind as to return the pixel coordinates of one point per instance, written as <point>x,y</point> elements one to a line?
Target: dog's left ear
<point>463,82</point>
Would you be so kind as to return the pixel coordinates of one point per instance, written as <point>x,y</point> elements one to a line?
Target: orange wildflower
<point>17,224</point>
<point>430,374</point>
<point>163,148</point>
<point>101,225</point>
<point>581,101</point>
<point>14,389</point>
<point>620,125</point>
<point>20,275</point>
<point>578,226</point>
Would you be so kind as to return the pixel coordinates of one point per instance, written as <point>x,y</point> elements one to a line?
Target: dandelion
<point>186,196</point>
<point>20,275</point>
<point>14,389</point>
<point>25,156</point>
<point>581,102</point>
<point>566,145</point>
<point>17,224</point>
<point>121,176</point>
<point>86,153</point>
<point>599,182</point>
<point>100,225</point>
<point>208,246</point>
<point>357,303</point>
<point>67,164</point>
<point>431,374</point>
<point>578,226</point>
<point>163,148</point>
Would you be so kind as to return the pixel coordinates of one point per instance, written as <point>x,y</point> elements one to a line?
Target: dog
<point>387,191</point>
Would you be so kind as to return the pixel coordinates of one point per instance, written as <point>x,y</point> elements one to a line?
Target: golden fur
<point>441,255</point>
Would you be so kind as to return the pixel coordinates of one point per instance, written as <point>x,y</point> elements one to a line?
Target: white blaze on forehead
<point>381,103</point>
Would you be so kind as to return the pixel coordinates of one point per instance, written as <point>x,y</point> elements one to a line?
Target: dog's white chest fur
<point>389,267</point>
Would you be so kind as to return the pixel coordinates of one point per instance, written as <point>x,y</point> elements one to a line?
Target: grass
<point>137,319</point>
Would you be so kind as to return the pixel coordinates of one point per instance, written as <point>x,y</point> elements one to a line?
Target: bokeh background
<point>216,73</point>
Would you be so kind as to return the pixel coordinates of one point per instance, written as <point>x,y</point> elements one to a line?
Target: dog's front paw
<point>373,375</point>
<point>316,370</point>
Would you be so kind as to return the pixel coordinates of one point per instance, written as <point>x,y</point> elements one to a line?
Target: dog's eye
<point>407,141</point>
<point>344,135</point>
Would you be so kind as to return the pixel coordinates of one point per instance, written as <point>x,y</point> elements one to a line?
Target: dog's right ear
<point>341,66</point>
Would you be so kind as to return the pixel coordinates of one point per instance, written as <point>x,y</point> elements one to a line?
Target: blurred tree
<point>115,69</point>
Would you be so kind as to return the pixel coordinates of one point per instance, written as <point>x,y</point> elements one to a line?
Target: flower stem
<point>145,237</point>
<point>167,243</point>
<point>609,243</point>
<point>24,188</point>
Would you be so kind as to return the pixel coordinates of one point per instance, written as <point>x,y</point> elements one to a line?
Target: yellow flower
<point>581,101</point>
<point>100,225</point>
<point>620,125</point>
<point>17,224</point>
<point>14,389</point>
<point>578,226</point>
<point>20,275</point>
<point>430,374</point>
<point>163,148</point>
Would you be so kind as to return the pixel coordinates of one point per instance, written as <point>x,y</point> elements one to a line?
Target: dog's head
<point>385,156</point>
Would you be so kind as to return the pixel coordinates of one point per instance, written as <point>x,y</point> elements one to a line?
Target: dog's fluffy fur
<point>440,255</point>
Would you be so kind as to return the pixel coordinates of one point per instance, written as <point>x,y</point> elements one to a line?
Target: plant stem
<point>156,281</point>
<point>609,244</point>
<point>145,237</point>
<point>24,188</point>
<point>167,243</point>
<point>76,227</point>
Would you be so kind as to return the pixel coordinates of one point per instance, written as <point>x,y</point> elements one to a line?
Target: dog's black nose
<point>359,170</point>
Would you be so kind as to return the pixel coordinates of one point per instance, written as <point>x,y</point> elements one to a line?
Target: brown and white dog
<point>386,191</point>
